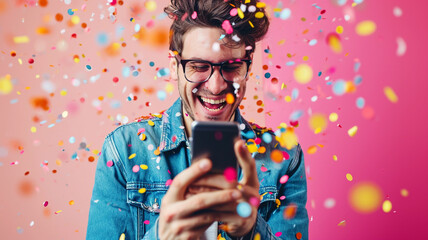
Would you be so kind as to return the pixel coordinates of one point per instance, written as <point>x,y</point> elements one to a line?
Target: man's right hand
<point>182,218</point>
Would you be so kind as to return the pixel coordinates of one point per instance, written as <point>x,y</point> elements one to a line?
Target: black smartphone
<point>215,140</point>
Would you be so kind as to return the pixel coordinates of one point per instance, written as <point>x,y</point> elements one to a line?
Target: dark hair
<point>212,13</point>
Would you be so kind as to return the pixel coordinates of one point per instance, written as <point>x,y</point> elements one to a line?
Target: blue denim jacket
<point>138,161</point>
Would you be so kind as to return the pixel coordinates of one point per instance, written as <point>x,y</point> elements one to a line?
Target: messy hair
<point>188,14</point>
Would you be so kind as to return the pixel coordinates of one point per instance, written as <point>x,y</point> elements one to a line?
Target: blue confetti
<point>74,156</point>
<point>151,64</point>
<point>137,27</point>
<point>102,39</point>
<point>248,135</point>
<point>126,71</point>
<point>115,104</point>
<point>244,209</point>
<point>70,12</point>
<point>360,102</point>
<point>357,66</point>
<point>43,122</point>
<point>313,42</point>
<point>135,73</point>
<point>357,80</point>
<point>163,72</point>
<point>339,87</point>
<point>294,93</point>
<point>285,14</point>
<point>289,63</point>
<point>13,101</point>
<point>88,67</point>
<point>267,138</point>
<point>161,95</point>
<point>51,125</point>
<point>72,140</point>
<point>294,116</point>
<point>267,75</point>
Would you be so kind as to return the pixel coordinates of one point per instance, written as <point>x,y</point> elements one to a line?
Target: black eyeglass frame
<point>183,63</point>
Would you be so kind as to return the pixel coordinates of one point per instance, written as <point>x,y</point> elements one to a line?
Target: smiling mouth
<point>211,104</point>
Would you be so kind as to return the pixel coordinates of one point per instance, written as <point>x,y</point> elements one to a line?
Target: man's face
<point>206,101</point>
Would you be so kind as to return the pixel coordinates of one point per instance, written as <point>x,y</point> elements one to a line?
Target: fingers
<point>205,200</point>
<point>185,178</point>
<point>247,164</point>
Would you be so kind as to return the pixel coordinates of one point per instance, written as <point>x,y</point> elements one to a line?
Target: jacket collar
<point>173,131</point>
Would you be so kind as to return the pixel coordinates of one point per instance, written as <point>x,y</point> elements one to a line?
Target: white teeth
<point>211,101</point>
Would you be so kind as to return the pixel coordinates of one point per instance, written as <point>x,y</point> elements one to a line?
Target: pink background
<point>387,150</point>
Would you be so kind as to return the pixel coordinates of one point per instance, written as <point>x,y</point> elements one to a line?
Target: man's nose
<point>216,84</point>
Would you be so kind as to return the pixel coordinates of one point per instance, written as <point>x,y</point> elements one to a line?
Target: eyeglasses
<point>199,71</point>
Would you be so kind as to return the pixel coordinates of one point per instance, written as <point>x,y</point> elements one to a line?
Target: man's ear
<point>173,66</point>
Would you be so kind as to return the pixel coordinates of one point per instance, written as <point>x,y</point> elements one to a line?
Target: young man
<point>145,186</point>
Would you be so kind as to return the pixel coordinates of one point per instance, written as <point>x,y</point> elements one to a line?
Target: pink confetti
<point>194,15</point>
<point>168,182</point>
<point>286,155</point>
<point>147,222</point>
<point>233,12</point>
<point>278,234</point>
<point>227,27</point>
<point>141,130</point>
<point>283,179</point>
<point>230,174</point>
<point>184,17</point>
<point>282,198</point>
<point>136,168</point>
<point>174,138</point>
<point>254,201</point>
<point>263,168</point>
<point>258,141</point>
<point>109,163</point>
<point>45,204</point>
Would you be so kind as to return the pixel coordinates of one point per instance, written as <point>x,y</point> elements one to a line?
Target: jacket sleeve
<point>276,226</point>
<point>109,213</point>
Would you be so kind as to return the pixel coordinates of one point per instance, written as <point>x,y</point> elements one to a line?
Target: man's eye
<point>231,67</point>
<point>200,67</point>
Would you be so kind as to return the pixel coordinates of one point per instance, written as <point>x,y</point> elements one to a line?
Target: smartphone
<point>215,140</point>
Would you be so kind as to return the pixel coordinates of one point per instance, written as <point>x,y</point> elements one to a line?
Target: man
<point>145,186</point>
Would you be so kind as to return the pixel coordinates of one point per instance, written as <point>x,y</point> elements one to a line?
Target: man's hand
<point>234,224</point>
<point>182,218</point>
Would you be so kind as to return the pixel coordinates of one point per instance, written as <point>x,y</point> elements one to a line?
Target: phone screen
<point>215,141</point>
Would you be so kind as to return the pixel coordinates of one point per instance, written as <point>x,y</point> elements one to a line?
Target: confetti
<point>290,211</point>
<point>390,94</point>
<point>230,174</point>
<point>132,156</point>
<point>404,192</point>
<point>244,209</point>
<point>283,179</point>
<point>365,197</point>
<point>6,85</point>
<point>227,27</point>
<point>365,28</point>
<point>303,73</point>
<point>352,131</point>
<point>387,206</point>
<point>318,122</point>
<point>349,177</point>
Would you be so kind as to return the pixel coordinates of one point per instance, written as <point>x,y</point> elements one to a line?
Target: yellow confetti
<point>142,190</point>
<point>278,203</point>
<point>352,131</point>
<point>58,162</point>
<point>75,19</point>
<point>6,85</point>
<point>303,73</point>
<point>21,39</point>
<point>333,117</point>
<point>240,13</point>
<point>58,211</point>
<point>132,156</point>
<point>288,139</point>
<point>42,31</point>
<point>335,44</point>
<point>150,5</point>
<point>257,236</point>
<point>349,177</point>
<point>169,88</point>
<point>122,236</point>
<point>151,123</point>
<point>63,92</point>
<point>33,129</point>
<point>260,5</point>
<point>110,95</point>
<point>387,206</point>
<point>339,29</point>
<point>342,223</point>
<point>144,166</point>
<point>252,148</point>
<point>318,122</point>
<point>335,157</point>
<point>312,149</point>
<point>305,58</point>
<point>259,15</point>
<point>404,192</point>
<point>390,94</point>
<point>365,28</point>
<point>365,197</point>
<point>287,98</point>
<point>142,137</point>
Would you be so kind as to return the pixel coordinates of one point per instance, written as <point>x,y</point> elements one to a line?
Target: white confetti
<point>401,47</point>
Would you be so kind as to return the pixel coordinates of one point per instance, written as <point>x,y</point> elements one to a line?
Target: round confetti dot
<point>365,28</point>
<point>30,61</point>
<point>88,67</point>
<point>109,163</point>
<point>71,202</point>
<point>303,73</point>
<point>335,157</point>
<point>339,87</point>
<point>360,102</point>
<point>72,140</point>
<point>230,174</point>
<point>150,6</point>
<point>33,129</point>
<point>59,17</point>
<point>254,201</point>
<point>387,206</point>
<point>278,234</point>
<point>283,179</point>
<point>329,203</point>
<point>299,235</point>
<point>75,19</point>
<point>144,166</point>
<point>135,168</point>
<point>404,192</point>
<point>276,156</point>
<point>132,156</point>
<point>318,122</point>
<point>45,203</point>
<point>349,177</point>
<point>333,117</point>
<point>142,190</point>
<point>230,98</point>
<point>365,197</point>
<point>244,209</point>
<point>339,29</point>
<point>285,14</point>
<point>290,211</point>
<point>257,236</point>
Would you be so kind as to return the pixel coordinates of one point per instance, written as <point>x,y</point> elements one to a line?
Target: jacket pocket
<point>145,200</point>
<point>267,205</point>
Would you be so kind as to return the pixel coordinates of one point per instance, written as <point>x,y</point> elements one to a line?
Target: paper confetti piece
<point>404,192</point>
<point>303,73</point>
<point>142,190</point>
<point>342,223</point>
<point>318,122</point>
<point>227,27</point>
<point>132,156</point>
<point>230,174</point>
<point>276,156</point>
<point>349,177</point>
<point>283,179</point>
<point>6,85</point>
<point>312,149</point>
<point>352,131</point>
<point>365,197</point>
<point>122,236</point>
<point>21,39</point>
<point>365,28</point>
<point>290,211</point>
<point>109,163</point>
<point>334,157</point>
<point>401,47</point>
<point>387,206</point>
<point>244,209</point>
<point>390,94</point>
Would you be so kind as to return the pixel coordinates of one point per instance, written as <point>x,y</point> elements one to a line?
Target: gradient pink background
<point>388,149</point>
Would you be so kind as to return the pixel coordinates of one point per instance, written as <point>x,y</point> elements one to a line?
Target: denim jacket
<point>138,161</point>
